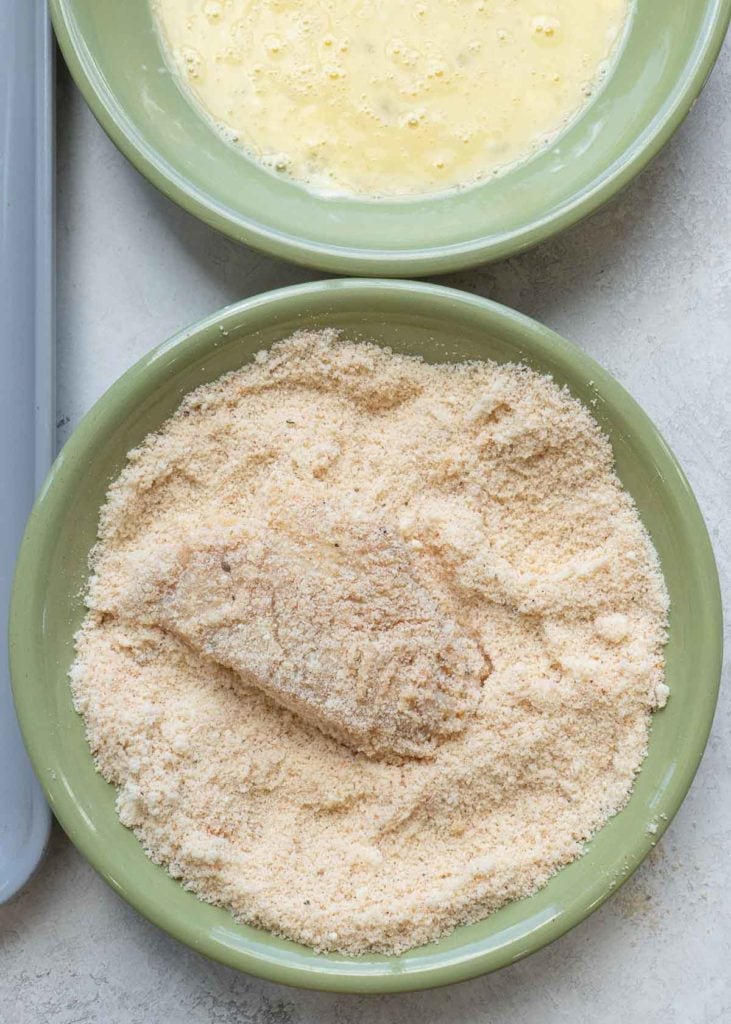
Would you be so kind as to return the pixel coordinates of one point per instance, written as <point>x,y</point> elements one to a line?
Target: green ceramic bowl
<point>441,325</point>
<point>114,55</point>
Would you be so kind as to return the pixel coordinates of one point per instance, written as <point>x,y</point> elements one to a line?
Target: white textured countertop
<point>645,286</point>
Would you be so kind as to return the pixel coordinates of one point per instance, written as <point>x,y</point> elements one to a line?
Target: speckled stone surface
<point>645,286</point>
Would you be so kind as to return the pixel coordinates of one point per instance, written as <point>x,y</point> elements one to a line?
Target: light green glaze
<point>440,324</point>
<point>114,55</point>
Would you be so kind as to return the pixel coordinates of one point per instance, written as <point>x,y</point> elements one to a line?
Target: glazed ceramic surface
<point>47,608</point>
<point>115,55</point>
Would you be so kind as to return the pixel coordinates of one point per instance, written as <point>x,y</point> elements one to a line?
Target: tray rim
<point>35,825</point>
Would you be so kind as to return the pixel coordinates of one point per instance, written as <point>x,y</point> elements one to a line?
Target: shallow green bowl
<point>114,55</point>
<point>47,608</point>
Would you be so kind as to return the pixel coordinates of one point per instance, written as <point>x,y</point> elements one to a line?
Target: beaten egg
<point>390,97</point>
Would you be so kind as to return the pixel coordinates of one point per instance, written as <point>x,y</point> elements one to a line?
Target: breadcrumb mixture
<point>372,645</point>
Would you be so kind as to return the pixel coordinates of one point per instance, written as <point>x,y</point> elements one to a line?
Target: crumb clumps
<point>471,514</point>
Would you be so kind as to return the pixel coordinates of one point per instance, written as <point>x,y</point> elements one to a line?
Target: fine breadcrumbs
<point>372,645</point>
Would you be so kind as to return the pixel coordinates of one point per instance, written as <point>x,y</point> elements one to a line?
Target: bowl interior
<point>441,325</point>
<point>114,52</point>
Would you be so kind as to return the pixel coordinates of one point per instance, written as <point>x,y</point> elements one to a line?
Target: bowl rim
<point>90,79</point>
<point>25,661</point>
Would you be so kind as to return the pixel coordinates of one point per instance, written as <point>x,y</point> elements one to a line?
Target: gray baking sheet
<point>26,374</point>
